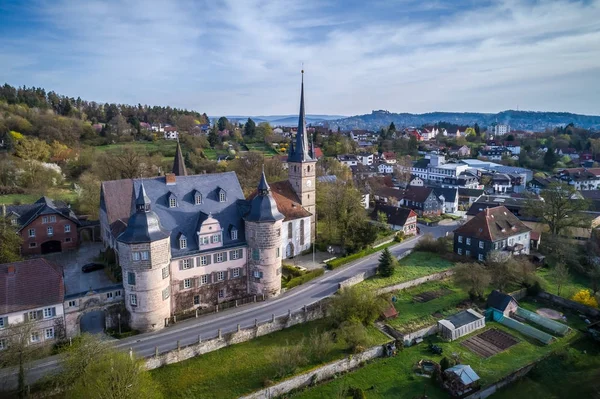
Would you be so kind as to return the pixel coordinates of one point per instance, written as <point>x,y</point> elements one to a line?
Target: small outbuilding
<point>502,303</point>
<point>461,324</point>
<point>461,380</point>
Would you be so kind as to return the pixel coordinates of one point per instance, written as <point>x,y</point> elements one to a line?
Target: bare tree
<point>561,275</point>
<point>473,277</point>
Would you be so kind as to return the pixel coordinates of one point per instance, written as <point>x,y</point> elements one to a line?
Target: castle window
<point>290,230</point>
<point>257,274</point>
<point>49,312</point>
<point>186,264</point>
<point>216,238</point>
<point>135,255</point>
<point>222,196</point>
<point>234,234</point>
<point>205,240</point>
<point>204,279</point>
<point>172,202</point>
<point>187,283</point>
<point>255,254</point>
<point>165,272</point>
<point>198,199</point>
<point>131,278</point>
<point>278,252</point>
<point>109,295</point>
<point>145,255</point>
<point>133,299</point>
<point>182,242</point>
<point>166,293</point>
<point>236,272</point>
<point>468,240</point>
<point>196,299</point>
<point>35,336</point>
<point>302,232</point>
<point>220,276</point>
<point>219,257</point>
<point>222,293</point>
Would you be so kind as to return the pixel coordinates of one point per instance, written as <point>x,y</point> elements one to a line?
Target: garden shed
<point>460,324</point>
<point>461,380</point>
<point>504,303</point>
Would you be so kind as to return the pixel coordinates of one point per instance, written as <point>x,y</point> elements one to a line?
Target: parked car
<point>90,267</point>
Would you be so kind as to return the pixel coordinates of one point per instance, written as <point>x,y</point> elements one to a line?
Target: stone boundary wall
<point>423,332</point>
<point>586,310</point>
<point>493,388</point>
<point>417,281</point>
<point>358,278</point>
<point>313,312</point>
<point>322,373</point>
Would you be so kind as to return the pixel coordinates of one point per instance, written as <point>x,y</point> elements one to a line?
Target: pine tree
<point>387,263</point>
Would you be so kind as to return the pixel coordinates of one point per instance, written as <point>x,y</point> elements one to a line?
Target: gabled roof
<point>287,200</point>
<point>417,194</point>
<point>470,192</point>
<point>35,283</point>
<point>464,372</point>
<point>450,194</point>
<point>493,224</point>
<point>499,300</point>
<point>27,213</point>
<point>389,192</point>
<point>395,215</point>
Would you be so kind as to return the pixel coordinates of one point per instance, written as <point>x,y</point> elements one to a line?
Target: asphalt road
<point>207,326</point>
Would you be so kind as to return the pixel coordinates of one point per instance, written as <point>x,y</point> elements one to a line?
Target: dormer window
<point>222,195</point>
<point>197,198</point>
<point>182,242</point>
<point>172,201</point>
<point>234,234</point>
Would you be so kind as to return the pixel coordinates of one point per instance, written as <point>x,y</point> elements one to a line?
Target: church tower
<point>263,225</point>
<point>301,167</point>
<point>145,256</point>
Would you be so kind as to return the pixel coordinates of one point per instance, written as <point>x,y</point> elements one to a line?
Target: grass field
<point>575,283</point>
<point>265,149</point>
<point>413,315</point>
<point>166,147</point>
<point>242,368</point>
<point>417,264</point>
<point>57,193</point>
<point>394,378</point>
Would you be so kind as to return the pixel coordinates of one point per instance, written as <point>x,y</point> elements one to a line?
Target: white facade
<point>171,135</point>
<point>47,321</point>
<point>451,332</point>
<point>449,206</point>
<point>385,168</point>
<point>501,129</point>
<point>295,237</point>
<point>348,160</point>
<point>438,169</point>
<point>366,159</point>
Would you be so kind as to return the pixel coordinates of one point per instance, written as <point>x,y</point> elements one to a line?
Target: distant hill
<point>282,120</point>
<point>518,120</point>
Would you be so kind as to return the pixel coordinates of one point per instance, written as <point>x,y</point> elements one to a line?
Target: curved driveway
<point>187,332</point>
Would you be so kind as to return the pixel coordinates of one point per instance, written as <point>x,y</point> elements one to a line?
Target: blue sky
<point>244,56</point>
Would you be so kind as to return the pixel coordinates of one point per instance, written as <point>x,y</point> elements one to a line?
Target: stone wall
<point>325,372</point>
<point>264,237</point>
<point>586,310</point>
<point>238,335</point>
<point>492,389</point>
<point>424,332</point>
<point>417,281</point>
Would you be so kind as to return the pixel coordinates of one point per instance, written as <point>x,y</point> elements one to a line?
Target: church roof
<point>179,163</point>
<point>300,152</point>
<point>288,203</point>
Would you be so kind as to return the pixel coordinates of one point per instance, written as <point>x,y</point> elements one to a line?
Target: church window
<point>290,230</point>
<point>302,232</point>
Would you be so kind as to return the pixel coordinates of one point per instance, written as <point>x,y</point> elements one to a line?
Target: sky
<point>243,57</point>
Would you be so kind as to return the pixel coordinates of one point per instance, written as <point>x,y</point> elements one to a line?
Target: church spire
<point>179,163</point>
<point>263,186</point>
<point>300,151</point>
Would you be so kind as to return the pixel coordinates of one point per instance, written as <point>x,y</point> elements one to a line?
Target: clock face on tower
<point>308,183</point>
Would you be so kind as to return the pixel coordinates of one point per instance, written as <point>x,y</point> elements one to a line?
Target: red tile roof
<point>493,224</point>
<point>287,200</point>
<point>33,284</point>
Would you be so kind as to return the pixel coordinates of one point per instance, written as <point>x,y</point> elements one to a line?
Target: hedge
<point>334,264</point>
<point>296,281</point>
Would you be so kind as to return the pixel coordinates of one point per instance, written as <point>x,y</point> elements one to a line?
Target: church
<point>185,242</point>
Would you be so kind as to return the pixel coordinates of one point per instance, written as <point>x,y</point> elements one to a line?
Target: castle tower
<point>301,167</point>
<point>263,233</point>
<point>145,254</point>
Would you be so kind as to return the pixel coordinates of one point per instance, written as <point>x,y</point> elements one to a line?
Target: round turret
<point>144,256</point>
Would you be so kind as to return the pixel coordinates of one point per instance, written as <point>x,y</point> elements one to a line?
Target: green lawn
<point>166,147</point>
<point>394,378</point>
<point>265,149</point>
<point>240,369</point>
<point>415,265</point>
<point>572,373</point>
<point>57,193</point>
<point>575,283</point>
<point>413,315</point>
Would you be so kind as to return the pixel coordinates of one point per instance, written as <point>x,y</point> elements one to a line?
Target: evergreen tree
<point>222,123</point>
<point>387,263</point>
<point>550,158</point>
<point>249,128</point>
<point>392,128</point>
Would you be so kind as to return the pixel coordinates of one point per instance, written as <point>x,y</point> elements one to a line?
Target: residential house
<point>513,146</point>
<point>45,226</point>
<point>423,201</point>
<point>416,181</point>
<point>501,183</point>
<point>398,219</point>
<point>171,133</point>
<point>348,160</point>
<point>467,196</point>
<point>32,291</point>
<point>495,154</point>
<point>499,129</point>
<point>581,178</point>
<point>389,196</point>
<point>461,152</point>
<point>571,153</point>
<point>537,184</point>
<point>429,132</point>
<point>493,229</point>
<point>465,180</point>
<point>389,157</point>
<point>385,168</point>
<point>449,197</point>
<point>434,168</point>
<point>360,135</point>
<point>365,158</point>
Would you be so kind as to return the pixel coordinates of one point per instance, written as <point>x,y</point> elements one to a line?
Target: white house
<point>32,291</point>
<point>171,133</point>
<point>365,158</point>
<point>385,168</point>
<point>348,160</point>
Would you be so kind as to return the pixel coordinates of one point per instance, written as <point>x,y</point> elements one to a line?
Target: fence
<point>238,335</point>
<point>566,303</point>
<point>310,378</point>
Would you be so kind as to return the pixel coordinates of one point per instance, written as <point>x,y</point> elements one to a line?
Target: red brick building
<point>45,226</point>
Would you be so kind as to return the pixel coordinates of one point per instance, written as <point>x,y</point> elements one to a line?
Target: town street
<point>207,326</point>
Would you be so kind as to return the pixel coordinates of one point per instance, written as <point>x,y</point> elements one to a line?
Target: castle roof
<point>263,207</point>
<point>143,225</point>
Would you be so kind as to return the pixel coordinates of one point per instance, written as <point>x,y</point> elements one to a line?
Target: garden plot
<point>431,295</point>
<point>490,342</point>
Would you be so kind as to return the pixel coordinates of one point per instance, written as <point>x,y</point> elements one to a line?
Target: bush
<point>334,264</point>
<point>354,335</point>
<point>320,346</point>
<point>400,236</point>
<point>288,358</point>
<point>586,298</point>
<point>304,278</point>
<point>293,271</point>
<point>428,243</point>
<point>356,304</point>
<point>446,363</point>
<point>356,393</point>
<point>5,190</point>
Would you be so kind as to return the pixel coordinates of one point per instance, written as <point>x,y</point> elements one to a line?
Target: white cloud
<point>243,57</point>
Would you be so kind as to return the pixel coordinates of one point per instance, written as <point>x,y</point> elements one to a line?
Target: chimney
<point>11,270</point>
<point>170,179</point>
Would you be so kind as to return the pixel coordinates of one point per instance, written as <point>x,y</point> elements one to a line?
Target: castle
<point>185,242</point>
